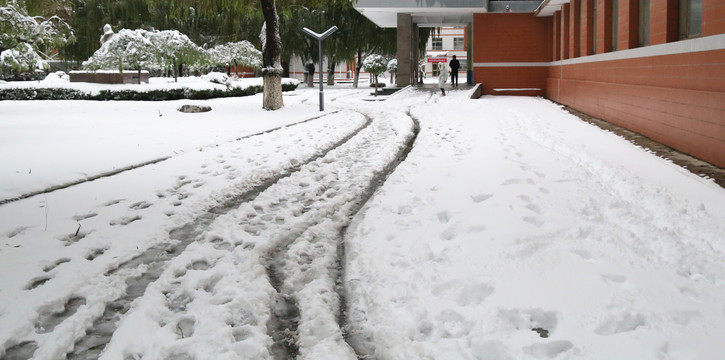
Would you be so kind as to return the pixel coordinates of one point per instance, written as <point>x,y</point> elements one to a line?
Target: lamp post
<point>319,38</point>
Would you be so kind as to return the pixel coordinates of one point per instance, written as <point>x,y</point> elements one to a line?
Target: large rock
<point>194,108</point>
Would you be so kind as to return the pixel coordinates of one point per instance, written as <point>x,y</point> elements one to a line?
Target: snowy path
<point>511,230</point>
<point>206,265</point>
<point>529,234</point>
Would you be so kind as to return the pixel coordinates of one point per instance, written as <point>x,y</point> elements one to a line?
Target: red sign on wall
<point>437,60</point>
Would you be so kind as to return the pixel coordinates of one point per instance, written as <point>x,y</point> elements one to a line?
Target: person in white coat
<point>442,77</point>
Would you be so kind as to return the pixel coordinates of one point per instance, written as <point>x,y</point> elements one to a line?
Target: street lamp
<point>319,38</point>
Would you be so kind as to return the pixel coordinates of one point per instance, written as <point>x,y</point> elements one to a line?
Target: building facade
<point>441,47</point>
<point>653,66</point>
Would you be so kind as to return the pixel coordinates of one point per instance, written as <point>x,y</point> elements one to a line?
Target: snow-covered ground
<point>510,230</point>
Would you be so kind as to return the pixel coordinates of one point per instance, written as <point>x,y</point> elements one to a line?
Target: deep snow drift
<point>512,230</point>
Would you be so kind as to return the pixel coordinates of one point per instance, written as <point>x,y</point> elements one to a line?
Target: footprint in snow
<point>549,350</point>
<point>614,279</point>
<point>38,281</point>
<point>534,221</point>
<point>185,327</point>
<point>444,217</point>
<point>125,220</point>
<point>622,321</point>
<point>463,292</point>
<point>93,254</point>
<point>140,205</point>
<point>516,181</point>
<point>480,198</point>
<point>84,216</point>
<point>584,254</point>
<point>51,316</point>
<point>55,264</point>
<point>17,231</point>
<point>112,202</point>
<point>23,350</point>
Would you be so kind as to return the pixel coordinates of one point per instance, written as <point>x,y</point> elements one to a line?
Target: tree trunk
<point>310,73</point>
<point>139,75</point>
<point>271,67</point>
<point>331,71</point>
<point>358,66</point>
<point>176,73</point>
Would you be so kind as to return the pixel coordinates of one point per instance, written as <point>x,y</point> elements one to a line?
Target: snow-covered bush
<point>48,91</point>
<point>218,78</point>
<point>23,39</point>
<point>57,77</point>
<point>128,49</point>
<point>241,53</point>
<point>173,48</point>
<point>21,59</point>
<point>376,65</point>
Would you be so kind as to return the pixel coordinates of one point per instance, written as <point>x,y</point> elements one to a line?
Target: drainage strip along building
<point>656,67</point>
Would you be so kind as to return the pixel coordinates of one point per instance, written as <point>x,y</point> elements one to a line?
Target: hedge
<point>151,95</point>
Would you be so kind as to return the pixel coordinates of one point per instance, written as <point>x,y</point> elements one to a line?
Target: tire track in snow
<point>272,266</point>
<point>306,268</point>
<point>155,258</point>
<point>142,164</point>
<point>134,275</point>
<point>348,319</point>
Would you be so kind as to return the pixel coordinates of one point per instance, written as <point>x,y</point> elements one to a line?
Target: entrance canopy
<point>424,13</point>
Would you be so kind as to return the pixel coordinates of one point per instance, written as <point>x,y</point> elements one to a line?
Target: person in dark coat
<point>455,65</point>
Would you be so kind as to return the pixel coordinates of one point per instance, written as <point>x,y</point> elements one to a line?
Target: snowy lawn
<point>51,143</point>
<point>512,230</point>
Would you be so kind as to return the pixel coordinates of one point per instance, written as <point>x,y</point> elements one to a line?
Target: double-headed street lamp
<point>319,38</point>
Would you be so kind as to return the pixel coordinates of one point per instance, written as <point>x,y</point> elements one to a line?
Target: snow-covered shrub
<point>60,93</point>
<point>23,39</point>
<point>173,48</point>
<point>241,53</point>
<point>57,77</point>
<point>376,65</point>
<point>218,78</point>
<point>21,62</point>
<point>126,50</point>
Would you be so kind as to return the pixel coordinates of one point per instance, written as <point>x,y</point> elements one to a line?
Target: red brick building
<point>654,66</point>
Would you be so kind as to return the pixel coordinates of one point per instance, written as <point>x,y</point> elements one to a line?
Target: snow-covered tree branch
<point>23,39</point>
<point>238,53</point>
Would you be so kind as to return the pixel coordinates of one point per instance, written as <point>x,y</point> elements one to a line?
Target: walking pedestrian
<point>442,77</point>
<point>455,65</point>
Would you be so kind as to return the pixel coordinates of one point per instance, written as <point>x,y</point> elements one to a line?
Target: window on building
<point>615,24</point>
<point>464,64</point>
<point>582,29</point>
<point>459,43</point>
<point>690,18</point>
<point>437,43</point>
<point>436,70</point>
<point>643,38</point>
<point>594,26</point>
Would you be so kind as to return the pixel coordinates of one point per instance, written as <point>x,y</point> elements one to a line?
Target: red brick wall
<point>510,39</point>
<point>565,31</point>
<point>586,27</point>
<point>673,93</point>
<point>713,17</point>
<point>664,21</point>
<point>678,99</point>
<point>628,24</point>
<point>575,28</point>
